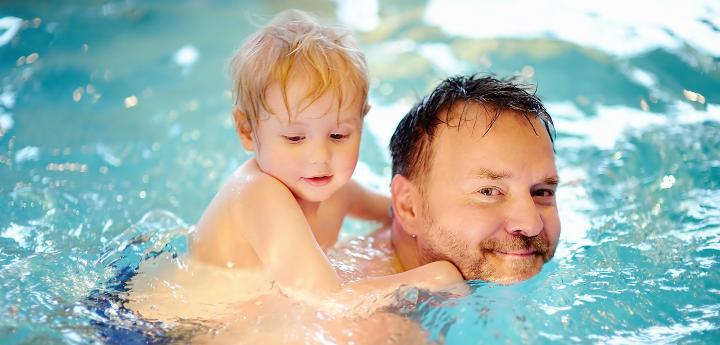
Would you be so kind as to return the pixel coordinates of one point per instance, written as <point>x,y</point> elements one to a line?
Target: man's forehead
<point>513,142</point>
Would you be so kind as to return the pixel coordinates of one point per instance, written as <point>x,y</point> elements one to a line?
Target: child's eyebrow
<point>348,121</point>
<point>302,123</point>
<point>295,124</point>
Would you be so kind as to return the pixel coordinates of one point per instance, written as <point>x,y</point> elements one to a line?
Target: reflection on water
<point>111,111</point>
<point>619,29</point>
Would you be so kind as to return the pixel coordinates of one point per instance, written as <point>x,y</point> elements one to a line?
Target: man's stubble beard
<point>472,261</point>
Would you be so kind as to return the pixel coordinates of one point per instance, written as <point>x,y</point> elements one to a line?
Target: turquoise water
<point>116,133</point>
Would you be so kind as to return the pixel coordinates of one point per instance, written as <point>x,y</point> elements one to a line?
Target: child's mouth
<point>318,180</point>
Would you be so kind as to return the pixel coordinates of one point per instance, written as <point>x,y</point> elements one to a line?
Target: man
<point>474,181</point>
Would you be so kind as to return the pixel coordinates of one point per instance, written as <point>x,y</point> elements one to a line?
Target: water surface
<point>116,133</point>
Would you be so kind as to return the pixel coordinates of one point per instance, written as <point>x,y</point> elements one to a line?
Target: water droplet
<point>77,94</point>
<point>186,56</point>
<point>667,182</point>
<point>130,101</point>
<point>528,72</point>
<point>693,96</point>
<point>32,58</point>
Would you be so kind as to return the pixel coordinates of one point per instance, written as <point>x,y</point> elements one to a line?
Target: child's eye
<point>294,138</point>
<point>338,136</point>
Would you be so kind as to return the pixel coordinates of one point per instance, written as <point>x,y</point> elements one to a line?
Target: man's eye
<point>544,193</point>
<point>294,138</point>
<point>337,136</point>
<point>489,191</point>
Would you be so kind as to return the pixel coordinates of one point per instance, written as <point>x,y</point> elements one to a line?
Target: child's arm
<point>433,276</point>
<point>366,204</point>
<point>281,236</point>
<point>284,242</point>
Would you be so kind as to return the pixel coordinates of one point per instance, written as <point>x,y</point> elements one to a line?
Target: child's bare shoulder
<point>249,184</point>
<point>242,206</point>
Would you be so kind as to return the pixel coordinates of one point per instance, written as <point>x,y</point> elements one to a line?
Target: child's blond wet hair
<point>294,42</point>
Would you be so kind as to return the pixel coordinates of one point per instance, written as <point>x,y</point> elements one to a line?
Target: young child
<point>301,93</point>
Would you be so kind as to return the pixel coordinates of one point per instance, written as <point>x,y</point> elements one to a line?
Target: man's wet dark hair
<point>411,144</point>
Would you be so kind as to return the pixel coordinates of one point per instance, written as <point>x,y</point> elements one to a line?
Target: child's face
<point>315,153</point>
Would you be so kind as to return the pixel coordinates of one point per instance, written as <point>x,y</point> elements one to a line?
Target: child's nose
<point>319,152</point>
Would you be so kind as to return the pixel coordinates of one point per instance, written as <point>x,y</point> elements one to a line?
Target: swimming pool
<point>116,133</point>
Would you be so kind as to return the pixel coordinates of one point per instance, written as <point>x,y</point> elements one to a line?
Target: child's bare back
<point>221,234</point>
<point>254,206</point>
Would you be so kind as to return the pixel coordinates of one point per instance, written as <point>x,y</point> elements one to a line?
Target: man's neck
<point>405,246</point>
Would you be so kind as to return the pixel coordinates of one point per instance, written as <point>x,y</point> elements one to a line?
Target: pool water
<point>115,133</point>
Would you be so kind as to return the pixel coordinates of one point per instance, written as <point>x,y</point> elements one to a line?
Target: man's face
<point>489,201</point>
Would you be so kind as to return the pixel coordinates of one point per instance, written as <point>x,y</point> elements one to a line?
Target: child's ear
<point>366,109</point>
<point>244,129</point>
<point>406,204</point>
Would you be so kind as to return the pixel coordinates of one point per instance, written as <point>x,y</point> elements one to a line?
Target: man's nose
<point>524,217</point>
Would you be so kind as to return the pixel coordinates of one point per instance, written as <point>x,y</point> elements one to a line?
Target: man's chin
<point>506,272</point>
<point>512,278</point>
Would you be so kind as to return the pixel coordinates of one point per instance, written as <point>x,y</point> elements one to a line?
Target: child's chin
<point>316,195</point>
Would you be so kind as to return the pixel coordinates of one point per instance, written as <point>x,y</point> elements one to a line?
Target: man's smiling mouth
<point>518,253</point>
<point>517,247</point>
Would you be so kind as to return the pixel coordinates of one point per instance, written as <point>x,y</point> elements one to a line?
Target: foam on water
<point>618,27</point>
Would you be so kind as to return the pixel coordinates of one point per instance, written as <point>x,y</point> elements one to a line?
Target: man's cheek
<point>476,227</point>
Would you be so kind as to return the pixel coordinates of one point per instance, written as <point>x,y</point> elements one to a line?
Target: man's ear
<point>242,125</point>
<point>406,204</point>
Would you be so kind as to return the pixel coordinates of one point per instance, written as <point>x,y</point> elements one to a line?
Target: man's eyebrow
<point>492,175</point>
<point>498,175</point>
<point>552,180</point>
